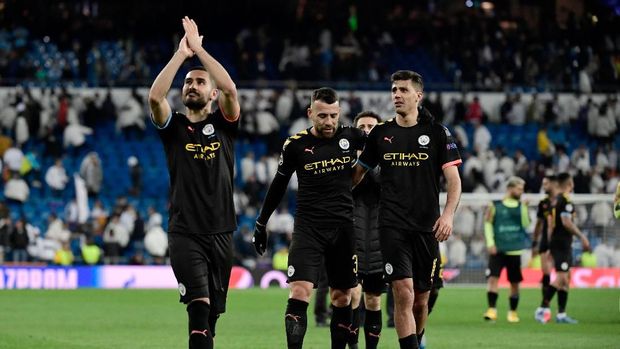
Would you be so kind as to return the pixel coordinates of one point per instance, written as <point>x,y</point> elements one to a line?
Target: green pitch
<point>150,319</point>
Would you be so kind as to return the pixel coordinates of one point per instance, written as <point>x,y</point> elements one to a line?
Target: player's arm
<point>160,108</point>
<point>228,102</point>
<point>276,191</point>
<point>571,227</point>
<point>489,234</point>
<point>449,159</point>
<point>272,200</point>
<point>538,228</point>
<point>443,226</point>
<point>525,215</point>
<point>358,173</point>
<point>274,195</point>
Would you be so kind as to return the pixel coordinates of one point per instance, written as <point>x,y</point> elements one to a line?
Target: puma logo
<point>294,317</point>
<point>309,150</point>
<point>388,139</point>
<point>203,332</point>
<point>190,129</point>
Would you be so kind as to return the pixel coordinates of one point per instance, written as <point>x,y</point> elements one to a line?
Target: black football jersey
<point>324,173</point>
<point>411,160</point>
<point>200,158</point>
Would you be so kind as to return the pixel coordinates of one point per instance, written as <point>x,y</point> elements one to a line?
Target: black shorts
<point>202,265</point>
<point>438,278</point>
<point>562,258</point>
<point>311,246</point>
<point>372,283</point>
<point>410,254</point>
<point>512,264</point>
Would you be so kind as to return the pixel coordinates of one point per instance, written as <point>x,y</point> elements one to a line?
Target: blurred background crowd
<point>527,88</point>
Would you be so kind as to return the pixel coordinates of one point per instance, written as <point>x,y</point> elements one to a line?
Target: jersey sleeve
<point>565,208</point>
<point>369,158</point>
<point>448,150</point>
<point>230,127</point>
<point>165,131</point>
<point>287,163</point>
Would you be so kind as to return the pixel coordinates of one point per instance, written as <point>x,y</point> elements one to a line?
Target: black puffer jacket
<point>366,197</point>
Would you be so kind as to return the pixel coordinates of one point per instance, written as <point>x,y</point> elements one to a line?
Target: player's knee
<point>301,291</point>
<point>340,298</point>
<point>372,301</point>
<point>356,294</point>
<point>402,294</point>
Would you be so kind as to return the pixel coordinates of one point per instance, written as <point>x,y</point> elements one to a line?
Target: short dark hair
<point>563,178</point>
<point>324,94</point>
<point>408,75</point>
<point>197,67</point>
<point>366,114</point>
<point>552,177</point>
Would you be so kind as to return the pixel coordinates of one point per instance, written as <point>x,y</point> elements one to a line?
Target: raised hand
<point>194,39</point>
<point>184,48</point>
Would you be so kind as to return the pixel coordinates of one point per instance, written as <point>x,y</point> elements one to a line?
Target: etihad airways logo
<point>405,159</point>
<point>203,152</point>
<point>331,165</point>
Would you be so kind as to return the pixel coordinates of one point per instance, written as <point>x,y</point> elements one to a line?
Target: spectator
<point>74,136</point>
<point>16,190</point>
<point>474,112</point>
<point>92,173</point>
<point>156,243</point>
<point>19,241</point>
<point>482,138</point>
<point>457,251</point>
<point>131,117</point>
<point>13,158</point>
<point>248,166</point>
<point>56,178</point>
<point>91,253</point>
<point>115,238</point>
<point>135,174</point>
<point>99,217</point>
<point>56,230</point>
<point>64,255</point>
<point>154,220</point>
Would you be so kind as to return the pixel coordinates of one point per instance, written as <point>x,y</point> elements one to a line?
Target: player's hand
<point>184,48</point>
<point>260,238</point>
<point>443,228</point>
<point>194,40</point>
<point>585,243</point>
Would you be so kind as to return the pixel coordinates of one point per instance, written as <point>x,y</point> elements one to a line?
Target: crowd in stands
<point>107,43</point>
<point>63,150</point>
<point>42,219</point>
